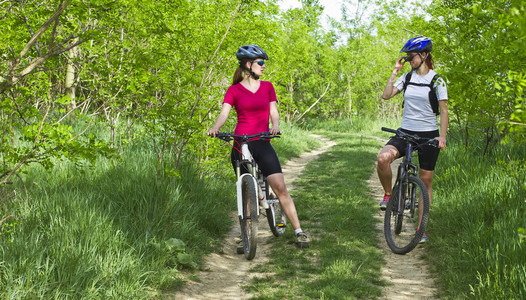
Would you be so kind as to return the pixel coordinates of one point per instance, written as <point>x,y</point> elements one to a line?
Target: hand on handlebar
<point>213,132</point>
<point>275,131</point>
<point>441,142</point>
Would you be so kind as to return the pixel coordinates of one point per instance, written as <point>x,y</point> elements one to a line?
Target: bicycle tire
<point>399,218</point>
<point>408,237</point>
<point>249,220</point>
<point>276,217</point>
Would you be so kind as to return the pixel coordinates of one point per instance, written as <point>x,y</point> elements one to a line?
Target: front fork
<point>239,184</point>
<point>405,170</point>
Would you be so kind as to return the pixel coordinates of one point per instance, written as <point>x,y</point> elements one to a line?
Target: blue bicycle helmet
<point>418,44</point>
<point>250,52</point>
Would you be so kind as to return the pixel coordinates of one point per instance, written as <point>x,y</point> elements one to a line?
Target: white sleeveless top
<point>418,114</point>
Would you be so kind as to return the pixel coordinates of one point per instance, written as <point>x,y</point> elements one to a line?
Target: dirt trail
<point>408,271</point>
<point>225,273</point>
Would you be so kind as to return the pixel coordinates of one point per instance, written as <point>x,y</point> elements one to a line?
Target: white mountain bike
<point>251,187</point>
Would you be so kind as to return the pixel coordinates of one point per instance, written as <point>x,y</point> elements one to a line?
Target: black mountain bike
<point>251,187</point>
<point>407,211</point>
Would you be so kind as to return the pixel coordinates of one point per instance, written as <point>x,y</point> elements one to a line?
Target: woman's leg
<point>427,178</point>
<point>387,155</point>
<point>277,183</point>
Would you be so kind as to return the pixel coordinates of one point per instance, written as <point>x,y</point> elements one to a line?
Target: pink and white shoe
<point>383,204</point>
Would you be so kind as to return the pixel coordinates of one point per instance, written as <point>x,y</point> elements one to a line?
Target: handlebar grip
<point>222,136</point>
<point>433,142</point>
<point>389,130</point>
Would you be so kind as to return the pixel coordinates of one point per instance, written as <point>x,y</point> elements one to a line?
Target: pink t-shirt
<point>252,109</point>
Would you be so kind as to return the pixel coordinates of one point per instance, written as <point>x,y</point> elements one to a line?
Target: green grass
<point>363,126</point>
<point>111,231</point>
<point>476,227</point>
<point>336,210</point>
<point>475,222</point>
<point>293,142</point>
<point>116,230</point>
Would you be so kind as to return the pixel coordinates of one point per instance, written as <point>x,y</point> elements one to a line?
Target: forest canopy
<point>163,66</point>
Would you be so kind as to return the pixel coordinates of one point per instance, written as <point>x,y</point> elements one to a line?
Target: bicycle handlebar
<point>414,139</point>
<point>227,136</point>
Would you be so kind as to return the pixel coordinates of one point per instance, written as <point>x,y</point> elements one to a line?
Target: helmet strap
<point>422,60</point>
<point>252,74</point>
<point>242,65</point>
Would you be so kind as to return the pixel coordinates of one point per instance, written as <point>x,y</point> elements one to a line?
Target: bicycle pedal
<point>281,225</point>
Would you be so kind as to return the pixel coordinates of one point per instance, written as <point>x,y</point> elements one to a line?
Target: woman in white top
<point>419,117</point>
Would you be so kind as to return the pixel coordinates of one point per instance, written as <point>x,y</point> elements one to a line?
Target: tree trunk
<point>350,98</point>
<point>70,85</point>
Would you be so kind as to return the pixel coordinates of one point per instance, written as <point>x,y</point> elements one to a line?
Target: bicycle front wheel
<point>249,220</point>
<point>276,217</point>
<point>401,221</point>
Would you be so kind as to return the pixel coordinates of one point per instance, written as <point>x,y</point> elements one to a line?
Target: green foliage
<point>522,234</point>
<point>115,231</point>
<point>517,121</point>
<point>34,110</point>
<point>166,65</point>
<point>85,80</point>
<point>8,228</point>
<point>479,45</point>
<point>477,219</point>
<point>176,250</point>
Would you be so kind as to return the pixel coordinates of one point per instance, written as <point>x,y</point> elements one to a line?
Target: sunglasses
<point>410,57</point>
<point>260,62</point>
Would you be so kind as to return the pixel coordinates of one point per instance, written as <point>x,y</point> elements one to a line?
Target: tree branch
<point>210,61</point>
<point>301,116</point>
<point>42,29</point>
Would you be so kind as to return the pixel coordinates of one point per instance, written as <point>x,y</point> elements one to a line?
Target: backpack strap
<point>432,93</point>
<point>406,83</point>
<point>433,99</point>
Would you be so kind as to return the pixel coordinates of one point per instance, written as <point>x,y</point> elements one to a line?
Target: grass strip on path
<point>335,208</point>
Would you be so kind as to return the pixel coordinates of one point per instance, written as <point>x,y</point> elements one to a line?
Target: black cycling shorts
<point>427,155</point>
<point>263,154</point>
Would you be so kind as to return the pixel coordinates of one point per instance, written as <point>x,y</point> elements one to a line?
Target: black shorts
<point>263,154</point>
<point>427,155</point>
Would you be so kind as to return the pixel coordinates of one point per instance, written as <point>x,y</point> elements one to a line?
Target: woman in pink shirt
<point>254,101</point>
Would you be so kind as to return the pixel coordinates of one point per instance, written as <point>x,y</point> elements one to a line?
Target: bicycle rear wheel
<point>400,227</point>
<point>276,217</point>
<point>249,220</point>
